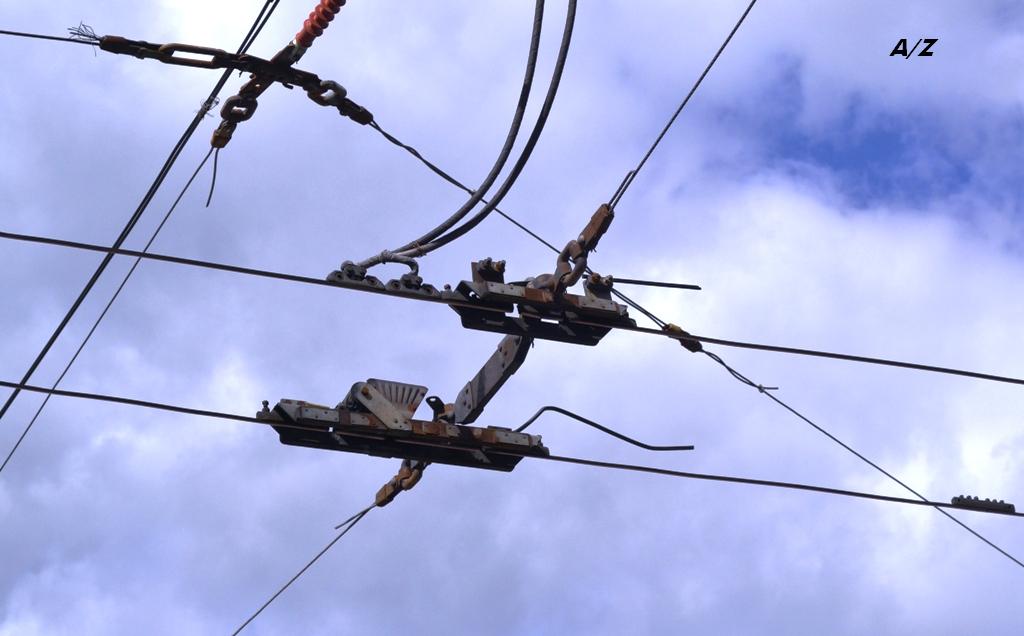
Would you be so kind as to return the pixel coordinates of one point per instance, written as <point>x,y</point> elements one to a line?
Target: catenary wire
<point>524,155</point>
<point>664,471</point>
<point>356,518</point>
<point>476,195</point>
<point>266,11</point>
<point>631,175</point>
<point>604,429</point>
<point>249,271</point>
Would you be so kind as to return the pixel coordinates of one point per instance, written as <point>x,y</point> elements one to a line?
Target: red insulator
<point>319,18</point>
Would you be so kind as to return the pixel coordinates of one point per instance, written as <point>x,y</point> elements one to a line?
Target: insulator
<point>319,18</point>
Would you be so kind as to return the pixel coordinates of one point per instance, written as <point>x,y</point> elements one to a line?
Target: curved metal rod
<point>603,429</point>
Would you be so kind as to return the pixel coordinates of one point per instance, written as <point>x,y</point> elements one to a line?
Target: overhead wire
<point>631,175</point>
<point>348,525</point>
<point>559,458</point>
<point>513,133</point>
<point>250,271</point>
<point>266,11</point>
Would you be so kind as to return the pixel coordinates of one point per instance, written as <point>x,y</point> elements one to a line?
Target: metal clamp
<point>408,476</point>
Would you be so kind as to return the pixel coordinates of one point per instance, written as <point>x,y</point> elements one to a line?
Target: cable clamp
<point>408,476</point>
<point>685,340</point>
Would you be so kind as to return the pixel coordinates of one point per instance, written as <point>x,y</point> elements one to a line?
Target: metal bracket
<point>492,376</point>
<point>393,403</point>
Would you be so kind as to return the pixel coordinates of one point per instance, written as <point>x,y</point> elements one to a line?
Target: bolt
<point>366,392</point>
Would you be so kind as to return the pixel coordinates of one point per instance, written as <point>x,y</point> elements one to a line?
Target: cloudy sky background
<point>824,194</point>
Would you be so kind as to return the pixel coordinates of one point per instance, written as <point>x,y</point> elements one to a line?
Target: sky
<point>823,193</point>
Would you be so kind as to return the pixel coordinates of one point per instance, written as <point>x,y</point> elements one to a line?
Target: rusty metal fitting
<point>222,135</point>
<point>691,345</point>
<point>408,476</point>
<point>599,286</point>
<point>488,270</point>
<point>237,109</point>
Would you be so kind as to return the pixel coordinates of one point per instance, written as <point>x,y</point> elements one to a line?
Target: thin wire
<point>603,429</point>
<point>758,482</point>
<point>745,380</point>
<point>355,519</point>
<point>661,471</point>
<point>249,271</point>
<point>38,36</point>
<point>631,175</point>
<point>254,30</point>
<point>452,180</point>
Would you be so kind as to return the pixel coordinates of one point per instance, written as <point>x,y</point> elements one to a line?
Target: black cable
<point>603,429</point>
<point>103,313</point>
<point>249,271</point>
<point>524,155</point>
<point>823,354</point>
<point>648,469</point>
<point>761,482</point>
<point>631,175</point>
<point>47,37</point>
<point>354,520</point>
<point>499,163</point>
<point>765,390</point>
<point>264,15</point>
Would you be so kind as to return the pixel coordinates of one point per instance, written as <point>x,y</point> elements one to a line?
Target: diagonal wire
<point>631,175</point>
<point>353,520</point>
<point>266,11</point>
<point>767,391</point>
